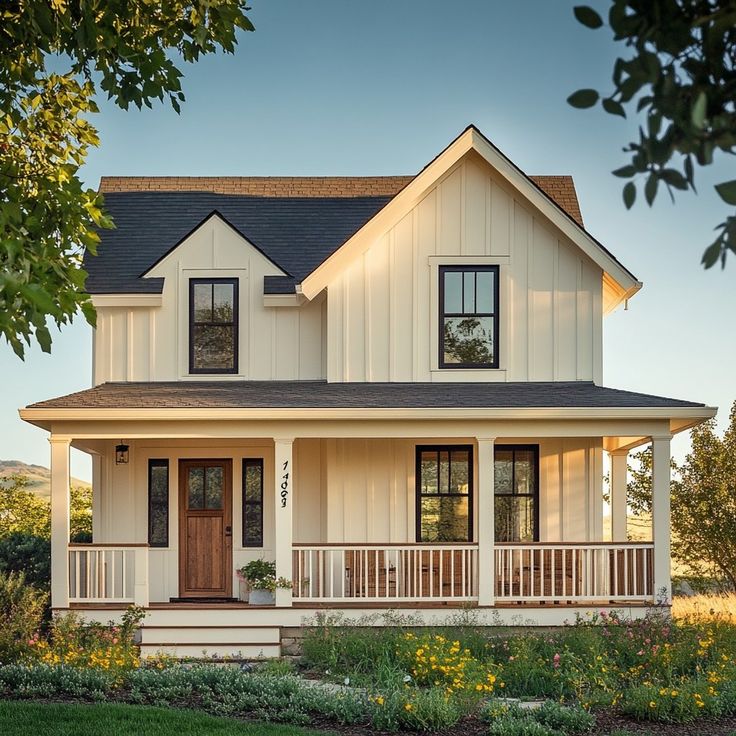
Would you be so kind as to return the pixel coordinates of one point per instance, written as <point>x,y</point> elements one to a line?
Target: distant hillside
<point>38,476</point>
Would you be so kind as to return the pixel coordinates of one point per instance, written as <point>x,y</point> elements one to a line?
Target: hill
<point>39,477</point>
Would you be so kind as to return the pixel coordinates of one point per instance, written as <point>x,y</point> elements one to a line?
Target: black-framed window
<point>213,325</point>
<point>253,502</point>
<point>444,490</point>
<point>468,318</point>
<point>158,503</point>
<point>516,487</point>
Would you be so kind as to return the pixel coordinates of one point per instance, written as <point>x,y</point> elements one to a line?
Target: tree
<point>681,78</point>
<point>703,497</point>
<point>55,55</point>
<point>24,512</point>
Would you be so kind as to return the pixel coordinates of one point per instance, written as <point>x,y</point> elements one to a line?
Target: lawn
<point>57,719</point>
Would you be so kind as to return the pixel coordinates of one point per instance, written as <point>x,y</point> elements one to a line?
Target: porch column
<point>59,521</point>
<point>283,485</point>
<point>486,522</point>
<point>619,465</point>
<point>661,518</point>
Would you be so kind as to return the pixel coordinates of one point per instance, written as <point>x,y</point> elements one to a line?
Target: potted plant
<point>260,576</point>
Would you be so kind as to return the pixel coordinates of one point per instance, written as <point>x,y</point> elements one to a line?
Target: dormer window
<point>468,319</point>
<point>213,325</point>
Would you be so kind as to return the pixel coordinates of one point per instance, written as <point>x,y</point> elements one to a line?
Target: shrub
<point>21,613</point>
<point>97,646</point>
<point>29,554</point>
<point>414,709</point>
<point>47,681</point>
<point>551,719</point>
<point>568,719</point>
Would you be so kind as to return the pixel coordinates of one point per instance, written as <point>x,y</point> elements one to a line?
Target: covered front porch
<point>343,519</point>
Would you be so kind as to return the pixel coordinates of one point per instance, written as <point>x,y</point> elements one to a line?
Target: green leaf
<point>711,254</point>
<point>625,172</point>
<point>612,107</point>
<point>44,338</point>
<point>727,191</point>
<point>583,98</point>
<point>587,16</point>
<point>650,189</point>
<point>697,115</point>
<point>629,195</point>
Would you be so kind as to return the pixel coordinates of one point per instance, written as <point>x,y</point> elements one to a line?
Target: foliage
<point>29,554</point>
<point>435,660</point>
<point>109,648</point>
<point>681,78</point>
<point>597,662</point>
<point>126,48</point>
<point>703,498</point>
<point>65,719</point>
<point>23,511</point>
<point>48,681</point>
<point>21,612</point>
<point>261,575</point>
<point>550,719</point>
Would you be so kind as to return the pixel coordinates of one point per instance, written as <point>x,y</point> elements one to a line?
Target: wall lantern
<point>121,454</point>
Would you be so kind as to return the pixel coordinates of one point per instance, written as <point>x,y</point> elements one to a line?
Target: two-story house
<point>391,386</point>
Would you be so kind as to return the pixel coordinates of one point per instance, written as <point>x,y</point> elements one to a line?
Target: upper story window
<point>468,319</point>
<point>213,325</point>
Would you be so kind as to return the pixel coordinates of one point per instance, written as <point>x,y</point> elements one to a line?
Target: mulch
<point>607,722</point>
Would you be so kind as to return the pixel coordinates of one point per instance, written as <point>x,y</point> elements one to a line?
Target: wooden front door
<point>205,528</point>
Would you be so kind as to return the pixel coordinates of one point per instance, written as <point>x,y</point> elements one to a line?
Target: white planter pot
<point>261,598</point>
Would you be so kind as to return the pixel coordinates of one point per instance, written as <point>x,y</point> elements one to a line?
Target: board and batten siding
<point>152,343</point>
<point>382,314</point>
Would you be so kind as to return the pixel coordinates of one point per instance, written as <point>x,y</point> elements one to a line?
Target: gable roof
<point>618,282</point>
<point>296,222</point>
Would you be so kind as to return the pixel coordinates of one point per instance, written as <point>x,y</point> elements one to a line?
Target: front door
<point>205,528</point>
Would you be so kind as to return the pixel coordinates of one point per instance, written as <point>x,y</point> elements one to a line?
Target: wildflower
<point>407,678</point>
<point>652,704</point>
<point>379,700</point>
<point>556,661</point>
<point>408,706</point>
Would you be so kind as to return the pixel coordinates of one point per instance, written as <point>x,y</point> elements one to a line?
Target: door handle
<point>228,531</point>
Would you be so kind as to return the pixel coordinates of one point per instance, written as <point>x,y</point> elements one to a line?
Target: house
<point>391,386</point>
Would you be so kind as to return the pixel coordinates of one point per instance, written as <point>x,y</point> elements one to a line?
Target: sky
<point>343,87</point>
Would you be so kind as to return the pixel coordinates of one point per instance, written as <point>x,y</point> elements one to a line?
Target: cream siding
<point>345,490</point>
<point>382,309</point>
<point>143,343</point>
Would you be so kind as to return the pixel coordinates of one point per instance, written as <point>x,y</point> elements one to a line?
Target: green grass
<point>62,719</point>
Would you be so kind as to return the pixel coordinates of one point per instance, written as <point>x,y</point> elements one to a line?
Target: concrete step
<point>207,651</point>
<point>172,634</point>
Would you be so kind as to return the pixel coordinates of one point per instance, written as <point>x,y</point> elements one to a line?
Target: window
<point>253,502</point>
<point>158,503</point>
<point>516,485</point>
<point>468,319</point>
<point>444,493</point>
<point>213,325</point>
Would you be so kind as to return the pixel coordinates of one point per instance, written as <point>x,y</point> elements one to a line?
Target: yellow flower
<point>652,704</point>
<point>408,706</point>
<point>379,700</point>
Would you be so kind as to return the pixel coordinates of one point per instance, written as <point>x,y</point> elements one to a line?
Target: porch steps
<point>210,640</point>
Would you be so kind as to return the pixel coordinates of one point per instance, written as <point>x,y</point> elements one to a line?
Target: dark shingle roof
<point>297,222</point>
<point>323,395</point>
<point>296,233</point>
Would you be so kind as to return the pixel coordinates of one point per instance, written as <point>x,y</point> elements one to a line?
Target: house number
<point>285,485</point>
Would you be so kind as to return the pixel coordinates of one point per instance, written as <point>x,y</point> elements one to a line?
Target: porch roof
<point>324,395</point>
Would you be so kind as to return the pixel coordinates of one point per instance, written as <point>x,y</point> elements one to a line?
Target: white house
<point>391,386</point>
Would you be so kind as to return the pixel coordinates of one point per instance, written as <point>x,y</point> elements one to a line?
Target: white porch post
<point>661,518</point>
<point>486,522</point>
<point>59,521</point>
<point>283,447</point>
<point>140,585</point>
<point>619,464</point>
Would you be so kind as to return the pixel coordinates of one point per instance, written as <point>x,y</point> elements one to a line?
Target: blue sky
<point>345,87</point>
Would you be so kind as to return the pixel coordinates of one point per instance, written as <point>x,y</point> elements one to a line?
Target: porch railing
<point>108,573</point>
<point>385,572</point>
<point>574,572</point>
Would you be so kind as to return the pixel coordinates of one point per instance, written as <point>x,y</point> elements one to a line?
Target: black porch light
<point>121,454</point>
